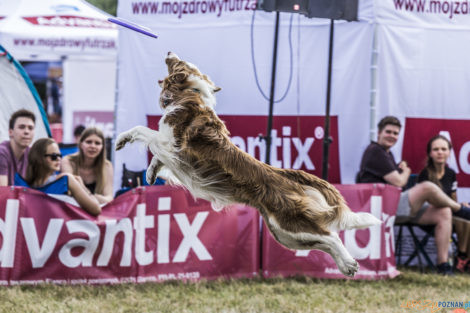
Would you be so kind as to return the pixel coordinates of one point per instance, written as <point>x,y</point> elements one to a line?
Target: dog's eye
<point>196,90</point>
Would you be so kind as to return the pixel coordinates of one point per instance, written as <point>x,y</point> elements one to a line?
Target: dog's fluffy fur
<point>301,210</point>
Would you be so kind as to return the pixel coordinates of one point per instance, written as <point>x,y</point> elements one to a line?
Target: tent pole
<point>271,94</point>
<point>373,87</point>
<point>327,139</point>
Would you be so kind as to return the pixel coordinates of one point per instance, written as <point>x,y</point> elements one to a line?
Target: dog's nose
<point>172,55</point>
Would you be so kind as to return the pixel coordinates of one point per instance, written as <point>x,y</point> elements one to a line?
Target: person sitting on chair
<point>43,163</point>
<point>91,165</point>
<point>437,171</point>
<point>425,203</point>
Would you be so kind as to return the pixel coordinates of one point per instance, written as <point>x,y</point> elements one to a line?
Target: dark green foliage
<point>109,6</point>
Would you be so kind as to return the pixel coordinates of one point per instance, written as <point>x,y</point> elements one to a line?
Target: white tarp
<point>424,69</point>
<point>217,37</point>
<point>73,32</point>
<point>420,65</point>
<point>54,28</point>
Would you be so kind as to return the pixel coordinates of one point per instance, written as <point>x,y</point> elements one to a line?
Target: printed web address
<point>449,8</point>
<point>63,42</point>
<point>181,8</point>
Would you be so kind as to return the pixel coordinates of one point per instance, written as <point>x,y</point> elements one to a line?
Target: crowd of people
<point>89,174</point>
<point>432,201</point>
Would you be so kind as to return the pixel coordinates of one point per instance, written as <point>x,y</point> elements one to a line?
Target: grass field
<point>299,294</point>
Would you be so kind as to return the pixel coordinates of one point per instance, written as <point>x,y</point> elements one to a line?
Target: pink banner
<point>418,131</point>
<point>147,234</point>
<point>297,141</point>
<point>373,247</point>
<point>160,232</point>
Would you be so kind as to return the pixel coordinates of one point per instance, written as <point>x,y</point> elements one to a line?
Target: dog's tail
<point>350,220</point>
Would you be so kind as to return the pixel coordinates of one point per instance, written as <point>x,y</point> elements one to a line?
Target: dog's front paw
<point>150,176</point>
<point>152,171</point>
<point>349,267</point>
<point>122,140</point>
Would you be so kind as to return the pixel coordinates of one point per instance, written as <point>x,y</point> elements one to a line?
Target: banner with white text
<point>297,141</point>
<point>372,247</point>
<point>148,234</point>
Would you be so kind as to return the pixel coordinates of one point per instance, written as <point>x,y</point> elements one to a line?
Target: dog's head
<point>185,80</point>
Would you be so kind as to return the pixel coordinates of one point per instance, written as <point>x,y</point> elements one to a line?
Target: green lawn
<point>299,294</point>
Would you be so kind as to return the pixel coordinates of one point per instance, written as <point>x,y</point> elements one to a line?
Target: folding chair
<point>419,250</point>
<point>419,245</point>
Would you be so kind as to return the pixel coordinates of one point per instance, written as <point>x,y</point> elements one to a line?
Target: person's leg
<point>462,229</point>
<point>430,192</point>
<point>442,218</point>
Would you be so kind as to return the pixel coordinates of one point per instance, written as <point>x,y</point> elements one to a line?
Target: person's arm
<point>3,180</point>
<point>453,195</point>
<point>399,179</point>
<point>107,195</point>
<point>83,197</point>
<point>3,170</point>
<point>66,165</point>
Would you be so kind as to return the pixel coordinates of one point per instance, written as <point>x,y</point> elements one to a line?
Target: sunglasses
<point>54,156</point>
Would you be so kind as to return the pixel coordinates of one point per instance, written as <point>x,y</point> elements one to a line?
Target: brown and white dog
<point>302,211</point>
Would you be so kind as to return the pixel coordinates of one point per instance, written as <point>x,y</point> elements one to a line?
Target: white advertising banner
<point>233,44</point>
<point>442,14</point>
<point>52,27</point>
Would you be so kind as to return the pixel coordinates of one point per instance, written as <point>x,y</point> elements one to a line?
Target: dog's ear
<point>178,77</point>
<point>170,62</point>
<point>216,89</point>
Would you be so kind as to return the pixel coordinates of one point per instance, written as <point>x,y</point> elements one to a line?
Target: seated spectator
<point>91,165</point>
<point>14,152</point>
<point>437,171</point>
<point>424,203</point>
<point>43,163</point>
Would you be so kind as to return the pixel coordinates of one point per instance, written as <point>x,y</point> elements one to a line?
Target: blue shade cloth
<point>66,149</point>
<point>159,181</point>
<point>142,174</point>
<point>59,186</point>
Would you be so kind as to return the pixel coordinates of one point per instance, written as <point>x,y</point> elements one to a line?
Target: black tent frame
<point>327,140</point>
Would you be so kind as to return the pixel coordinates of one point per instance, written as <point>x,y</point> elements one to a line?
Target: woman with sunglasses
<point>91,165</point>
<point>43,163</point>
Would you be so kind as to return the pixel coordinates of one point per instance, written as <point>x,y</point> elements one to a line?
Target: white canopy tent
<point>73,32</point>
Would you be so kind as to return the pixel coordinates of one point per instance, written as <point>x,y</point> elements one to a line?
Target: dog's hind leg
<point>329,243</point>
<point>332,245</point>
<point>350,220</point>
<point>152,170</point>
<point>138,133</point>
